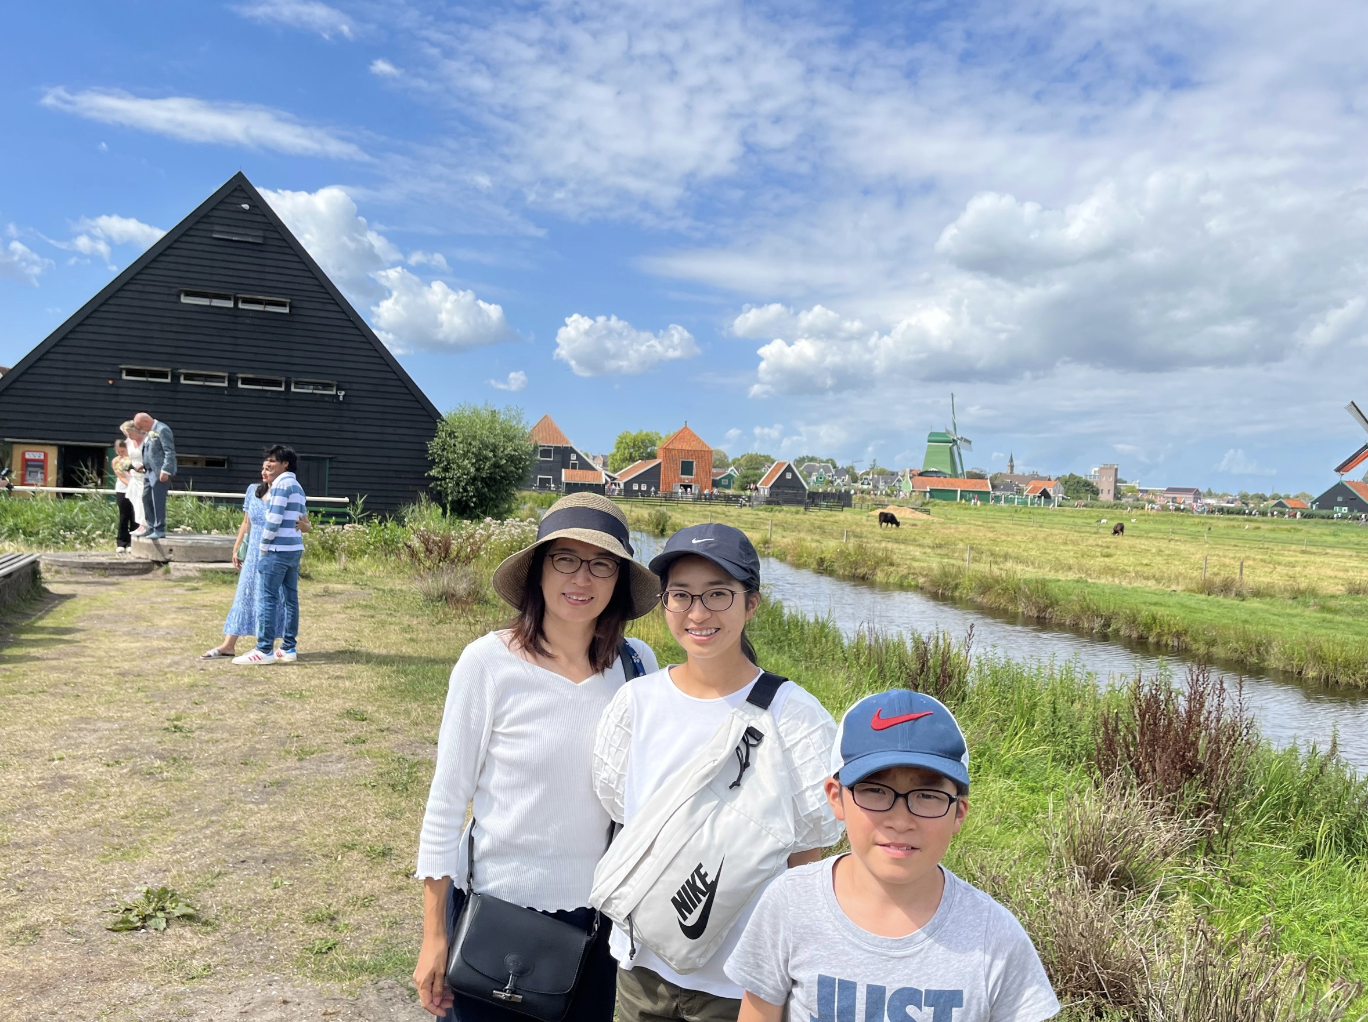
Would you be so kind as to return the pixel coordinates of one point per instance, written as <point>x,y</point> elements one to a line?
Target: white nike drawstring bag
<point>680,873</point>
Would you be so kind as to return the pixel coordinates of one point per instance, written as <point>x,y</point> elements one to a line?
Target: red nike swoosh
<point>880,723</point>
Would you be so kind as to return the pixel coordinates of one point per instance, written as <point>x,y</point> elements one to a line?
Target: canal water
<point>1287,710</point>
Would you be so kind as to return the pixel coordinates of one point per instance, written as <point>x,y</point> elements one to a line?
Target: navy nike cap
<point>724,545</point>
<point>900,728</point>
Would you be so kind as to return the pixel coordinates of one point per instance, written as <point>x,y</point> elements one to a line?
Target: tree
<point>720,459</point>
<point>480,456</point>
<point>976,473</point>
<point>1076,487</point>
<point>753,461</point>
<point>633,447</point>
<point>748,476</point>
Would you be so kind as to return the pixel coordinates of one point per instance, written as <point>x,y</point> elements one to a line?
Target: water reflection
<point>1286,710</point>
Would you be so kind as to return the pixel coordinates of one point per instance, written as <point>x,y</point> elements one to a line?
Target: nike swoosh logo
<point>695,929</point>
<point>882,723</point>
<point>709,540</point>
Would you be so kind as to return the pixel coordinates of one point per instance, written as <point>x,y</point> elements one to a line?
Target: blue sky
<point>1129,233</point>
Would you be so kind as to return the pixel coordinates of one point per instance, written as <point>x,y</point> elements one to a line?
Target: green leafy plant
<point>152,910</point>
<point>480,456</point>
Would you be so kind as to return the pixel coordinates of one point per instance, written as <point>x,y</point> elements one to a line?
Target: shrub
<point>659,522</point>
<point>480,456</point>
<point>1189,752</point>
<point>1113,837</point>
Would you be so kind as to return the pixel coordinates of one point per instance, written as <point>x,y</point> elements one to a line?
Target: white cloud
<point>434,259</point>
<point>594,347</point>
<point>20,263</point>
<point>327,223</point>
<point>96,236</point>
<point>196,120</point>
<point>433,317</point>
<point>732,438</point>
<point>383,68</point>
<point>517,380</point>
<point>1237,463</point>
<point>309,15</point>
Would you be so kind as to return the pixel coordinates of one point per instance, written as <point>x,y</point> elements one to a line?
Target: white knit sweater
<point>518,740</point>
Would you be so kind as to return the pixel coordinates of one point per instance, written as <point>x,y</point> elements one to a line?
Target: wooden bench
<point>19,577</point>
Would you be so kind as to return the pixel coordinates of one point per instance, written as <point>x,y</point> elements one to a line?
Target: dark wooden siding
<point>561,458</point>
<point>374,437</point>
<point>643,482</point>
<point>1339,496</point>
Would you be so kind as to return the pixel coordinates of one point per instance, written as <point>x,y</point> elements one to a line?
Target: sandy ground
<point>282,802</point>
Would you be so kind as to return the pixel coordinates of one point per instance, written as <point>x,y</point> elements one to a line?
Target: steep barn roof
<point>1036,486</point>
<point>685,439</point>
<point>636,468</point>
<point>947,483</point>
<point>547,432</point>
<point>1358,486</point>
<point>1295,504</point>
<point>581,475</point>
<point>777,468</point>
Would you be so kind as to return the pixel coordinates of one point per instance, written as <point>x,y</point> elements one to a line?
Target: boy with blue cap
<point>886,932</point>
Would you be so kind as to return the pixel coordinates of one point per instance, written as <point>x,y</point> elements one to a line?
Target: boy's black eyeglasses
<point>599,567</point>
<point>928,803</point>
<point>677,601</point>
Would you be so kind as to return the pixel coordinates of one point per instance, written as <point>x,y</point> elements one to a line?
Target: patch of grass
<point>322,946</point>
<point>153,909</point>
<point>352,713</point>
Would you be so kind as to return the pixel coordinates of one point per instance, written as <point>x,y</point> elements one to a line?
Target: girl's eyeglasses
<point>599,567</point>
<point>677,601</point>
<point>928,803</point>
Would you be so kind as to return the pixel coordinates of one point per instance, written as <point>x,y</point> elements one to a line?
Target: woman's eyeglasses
<point>677,601</point>
<point>599,567</point>
<point>928,803</point>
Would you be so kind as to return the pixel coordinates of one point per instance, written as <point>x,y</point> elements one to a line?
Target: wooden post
<point>968,556</point>
<point>771,530</point>
<point>1241,571</point>
<point>1204,562</point>
<point>845,535</point>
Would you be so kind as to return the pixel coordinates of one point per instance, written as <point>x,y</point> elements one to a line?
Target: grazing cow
<point>1119,529</point>
<point>889,518</point>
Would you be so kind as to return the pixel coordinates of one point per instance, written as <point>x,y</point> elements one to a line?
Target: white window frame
<point>545,482</point>
<point>211,378</point>
<point>299,386</point>
<point>259,386</point>
<point>126,370</point>
<point>686,461</point>
<point>545,453</point>
<point>218,299</point>
<point>263,303</point>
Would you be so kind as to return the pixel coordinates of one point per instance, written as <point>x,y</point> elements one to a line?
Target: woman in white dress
<point>137,474</point>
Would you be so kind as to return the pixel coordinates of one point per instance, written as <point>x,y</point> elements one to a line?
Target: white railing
<point>171,493</point>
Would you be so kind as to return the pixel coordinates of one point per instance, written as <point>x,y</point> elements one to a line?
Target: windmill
<point>1361,455</point>
<point>944,449</point>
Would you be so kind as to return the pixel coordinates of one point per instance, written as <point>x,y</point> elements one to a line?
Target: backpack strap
<point>762,694</point>
<point>632,667</point>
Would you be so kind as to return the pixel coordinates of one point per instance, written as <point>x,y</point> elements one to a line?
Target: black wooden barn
<point>226,330</point>
<point>1349,496</point>
<point>560,465</point>
<point>783,484</point>
<point>640,479</point>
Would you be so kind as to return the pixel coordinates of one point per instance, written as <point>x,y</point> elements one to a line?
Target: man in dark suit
<point>159,460</point>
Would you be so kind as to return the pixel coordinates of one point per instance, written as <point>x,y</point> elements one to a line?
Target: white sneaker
<point>254,657</point>
<point>286,656</point>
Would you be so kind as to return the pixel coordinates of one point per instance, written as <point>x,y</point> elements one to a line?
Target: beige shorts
<point>645,997</point>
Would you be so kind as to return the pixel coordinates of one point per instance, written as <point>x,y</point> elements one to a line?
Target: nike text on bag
<point>706,843</point>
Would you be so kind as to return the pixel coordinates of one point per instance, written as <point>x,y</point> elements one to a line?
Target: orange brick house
<point>685,463</point>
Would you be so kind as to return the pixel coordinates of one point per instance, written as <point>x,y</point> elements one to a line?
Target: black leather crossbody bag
<point>518,958</point>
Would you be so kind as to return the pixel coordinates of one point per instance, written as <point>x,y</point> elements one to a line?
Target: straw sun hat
<point>590,518</point>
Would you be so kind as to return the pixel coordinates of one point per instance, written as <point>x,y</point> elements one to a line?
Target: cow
<point>1119,529</point>
<point>889,518</point>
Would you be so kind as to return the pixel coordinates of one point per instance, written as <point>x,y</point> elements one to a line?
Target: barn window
<point>313,386</point>
<point>216,298</point>
<point>788,475</point>
<point>150,374</point>
<point>237,234</point>
<point>261,382</point>
<point>201,378</point>
<point>545,454</point>
<point>686,467</point>
<point>256,303</point>
<point>543,482</point>
<point>201,461</point>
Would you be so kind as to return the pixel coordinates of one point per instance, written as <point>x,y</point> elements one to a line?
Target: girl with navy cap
<point>516,740</point>
<point>655,726</point>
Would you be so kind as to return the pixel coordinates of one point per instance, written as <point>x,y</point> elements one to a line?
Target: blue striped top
<point>285,502</point>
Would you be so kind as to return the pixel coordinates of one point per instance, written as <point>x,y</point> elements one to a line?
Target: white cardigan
<point>518,740</point>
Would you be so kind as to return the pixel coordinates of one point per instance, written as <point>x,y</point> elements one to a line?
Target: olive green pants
<point>645,997</point>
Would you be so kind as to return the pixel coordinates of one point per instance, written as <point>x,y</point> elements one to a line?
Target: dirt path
<point>283,802</point>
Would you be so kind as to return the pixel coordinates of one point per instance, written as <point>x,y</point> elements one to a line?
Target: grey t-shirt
<point>971,963</point>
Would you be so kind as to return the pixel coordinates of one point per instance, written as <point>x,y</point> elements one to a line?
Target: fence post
<point>771,529</point>
<point>968,556</point>
<point>845,535</point>
<point>1242,571</point>
<point>1204,562</point>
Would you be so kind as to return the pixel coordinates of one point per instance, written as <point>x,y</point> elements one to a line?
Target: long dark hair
<point>277,452</point>
<point>747,650</point>
<point>608,629</point>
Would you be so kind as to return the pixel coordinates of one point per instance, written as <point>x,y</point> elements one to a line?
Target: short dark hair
<point>279,452</point>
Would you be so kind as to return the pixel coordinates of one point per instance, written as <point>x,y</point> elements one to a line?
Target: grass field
<point>284,804</point>
<point>1265,593</point>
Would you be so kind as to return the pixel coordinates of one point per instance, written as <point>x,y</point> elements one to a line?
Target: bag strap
<point>632,667</point>
<point>762,694</point>
<point>470,858</point>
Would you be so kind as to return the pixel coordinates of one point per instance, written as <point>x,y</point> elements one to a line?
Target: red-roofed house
<point>685,463</point>
<point>782,483</point>
<point>1289,504</point>
<point>946,488</point>
<point>640,479</point>
<point>1348,496</point>
<point>1047,489</point>
<point>560,466</point>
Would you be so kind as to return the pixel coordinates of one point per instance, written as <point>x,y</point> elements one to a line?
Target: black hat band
<point>588,518</point>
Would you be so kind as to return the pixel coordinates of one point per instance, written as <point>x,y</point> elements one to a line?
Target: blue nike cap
<point>900,728</point>
<point>724,545</point>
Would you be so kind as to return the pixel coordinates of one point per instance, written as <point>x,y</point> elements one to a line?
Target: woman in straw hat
<point>517,738</point>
